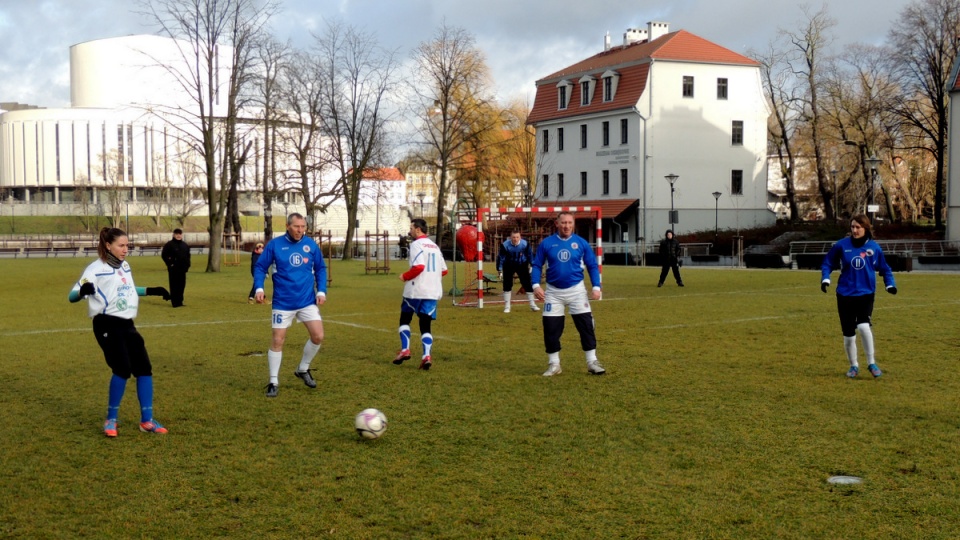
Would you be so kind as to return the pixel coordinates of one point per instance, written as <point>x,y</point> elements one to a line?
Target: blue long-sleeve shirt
<point>516,255</point>
<point>858,267</point>
<point>301,272</point>
<point>565,260</point>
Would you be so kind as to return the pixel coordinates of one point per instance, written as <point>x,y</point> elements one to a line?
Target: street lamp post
<point>872,163</point>
<point>716,215</point>
<point>421,195</point>
<point>836,196</point>
<point>672,178</point>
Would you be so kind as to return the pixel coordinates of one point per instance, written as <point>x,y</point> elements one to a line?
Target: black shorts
<point>523,274</point>
<point>122,346</point>
<point>854,310</point>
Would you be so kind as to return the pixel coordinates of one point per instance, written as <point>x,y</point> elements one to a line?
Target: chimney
<point>633,35</point>
<point>656,29</point>
<point>606,42</point>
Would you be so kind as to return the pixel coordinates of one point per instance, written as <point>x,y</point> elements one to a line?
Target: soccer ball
<point>370,423</point>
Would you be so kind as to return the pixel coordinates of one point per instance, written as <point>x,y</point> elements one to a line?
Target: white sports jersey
<point>429,284</point>
<point>116,294</point>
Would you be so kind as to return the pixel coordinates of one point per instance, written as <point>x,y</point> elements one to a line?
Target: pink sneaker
<point>110,427</point>
<point>152,426</point>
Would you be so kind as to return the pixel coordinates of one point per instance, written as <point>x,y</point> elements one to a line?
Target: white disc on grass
<point>845,480</point>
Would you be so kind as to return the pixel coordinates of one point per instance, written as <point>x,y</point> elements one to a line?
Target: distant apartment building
<point>613,127</point>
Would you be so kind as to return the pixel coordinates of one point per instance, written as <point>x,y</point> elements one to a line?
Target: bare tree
<point>810,42</point>
<point>356,76</point>
<point>274,59</point>
<point>451,88</point>
<point>110,169</point>
<point>781,128</point>
<point>214,81</point>
<point>521,151</point>
<point>925,43</point>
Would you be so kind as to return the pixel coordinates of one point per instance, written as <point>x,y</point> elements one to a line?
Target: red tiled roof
<point>632,62</point>
<point>382,173</point>
<point>609,208</point>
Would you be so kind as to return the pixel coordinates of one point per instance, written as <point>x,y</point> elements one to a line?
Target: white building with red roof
<point>612,127</point>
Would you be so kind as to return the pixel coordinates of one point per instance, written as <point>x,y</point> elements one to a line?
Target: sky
<point>523,40</point>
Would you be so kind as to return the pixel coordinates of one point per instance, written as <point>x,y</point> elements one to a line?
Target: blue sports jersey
<point>565,261</point>
<point>858,267</point>
<point>515,255</point>
<point>301,272</point>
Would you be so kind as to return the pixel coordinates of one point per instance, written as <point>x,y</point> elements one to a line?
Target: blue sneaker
<point>874,370</point>
<point>854,371</point>
<point>110,427</point>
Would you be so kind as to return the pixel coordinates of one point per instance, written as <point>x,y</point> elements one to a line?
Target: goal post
<point>494,226</point>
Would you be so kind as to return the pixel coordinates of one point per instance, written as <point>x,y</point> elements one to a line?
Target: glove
<point>824,285</point>
<point>892,290</point>
<point>158,291</point>
<point>87,289</point>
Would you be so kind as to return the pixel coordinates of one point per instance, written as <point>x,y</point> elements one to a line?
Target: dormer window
<point>610,80</point>
<point>563,94</point>
<point>587,84</point>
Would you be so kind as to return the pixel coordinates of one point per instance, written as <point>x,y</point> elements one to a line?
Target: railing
<point>904,247</point>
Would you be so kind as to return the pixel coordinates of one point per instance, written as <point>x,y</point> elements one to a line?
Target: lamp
<point>871,164</point>
<point>716,215</point>
<point>421,195</point>
<point>672,178</point>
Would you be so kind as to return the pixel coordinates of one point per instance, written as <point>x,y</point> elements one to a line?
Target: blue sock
<point>427,340</point>
<point>117,386</point>
<point>145,394</point>
<point>405,337</point>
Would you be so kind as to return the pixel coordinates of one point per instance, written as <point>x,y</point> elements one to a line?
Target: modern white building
<point>611,129</point>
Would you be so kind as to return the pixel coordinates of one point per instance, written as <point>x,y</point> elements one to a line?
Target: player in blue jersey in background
<point>299,287</point>
<point>859,258</point>
<point>565,255</point>
<point>112,302</point>
<point>422,288</point>
<point>515,257</point>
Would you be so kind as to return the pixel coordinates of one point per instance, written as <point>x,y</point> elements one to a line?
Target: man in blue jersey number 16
<point>422,288</point>
<point>566,254</point>
<point>299,287</point>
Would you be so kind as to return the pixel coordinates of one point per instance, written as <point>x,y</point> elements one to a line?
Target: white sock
<point>273,361</point>
<point>591,355</point>
<point>866,338</point>
<point>309,351</point>
<point>532,299</point>
<point>506,298</point>
<point>554,358</point>
<point>850,345</point>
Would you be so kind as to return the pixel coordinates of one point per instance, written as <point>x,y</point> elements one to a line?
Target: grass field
<point>724,410</point>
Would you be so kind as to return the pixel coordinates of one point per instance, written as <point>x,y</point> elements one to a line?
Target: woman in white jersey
<point>112,301</point>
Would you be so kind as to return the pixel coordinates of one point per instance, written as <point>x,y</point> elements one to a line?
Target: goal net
<point>478,283</point>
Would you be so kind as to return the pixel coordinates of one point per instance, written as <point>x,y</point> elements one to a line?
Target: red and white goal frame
<point>474,288</point>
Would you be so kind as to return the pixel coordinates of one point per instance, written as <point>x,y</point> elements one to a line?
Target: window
<point>606,182</point>
<point>562,96</point>
<point>606,133</point>
<point>610,79</point>
<point>736,135</point>
<point>560,185</point>
<point>546,185</point>
<point>559,139</point>
<point>583,135</point>
<point>546,141</point>
<point>583,182</point>
<point>585,93</point>
<point>623,130</point>
<point>721,88</point>
<point>687,86</point>
<point>623,181</point>
<point>736,182</point>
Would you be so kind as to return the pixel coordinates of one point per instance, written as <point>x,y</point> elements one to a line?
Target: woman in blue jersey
<point>859,258</point>
<point>112,301</point>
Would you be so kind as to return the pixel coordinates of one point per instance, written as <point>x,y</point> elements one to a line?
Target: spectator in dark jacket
<point>176,255</point>
<point>257,251</point>
<point>670,258</point>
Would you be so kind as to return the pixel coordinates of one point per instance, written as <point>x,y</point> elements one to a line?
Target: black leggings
<point>122,346</point>
<point>406,317</point>
<point>853,311</point>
